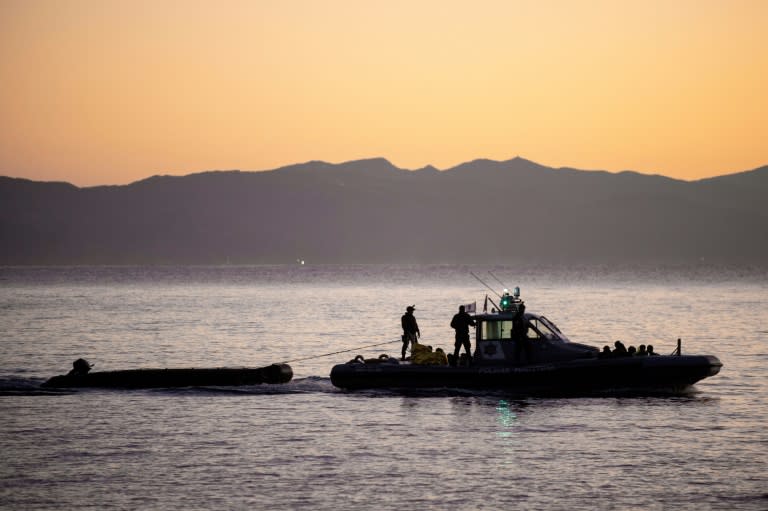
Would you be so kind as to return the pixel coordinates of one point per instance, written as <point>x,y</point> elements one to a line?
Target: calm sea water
<point>307,445</point>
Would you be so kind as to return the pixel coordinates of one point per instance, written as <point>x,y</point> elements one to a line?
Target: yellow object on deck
<point>423,355</point>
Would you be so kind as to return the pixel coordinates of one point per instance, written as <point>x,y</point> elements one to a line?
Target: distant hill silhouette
<point>369,211</point>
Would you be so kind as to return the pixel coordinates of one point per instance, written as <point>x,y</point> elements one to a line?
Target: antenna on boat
<point>496,279</point>
<point>486,285</point>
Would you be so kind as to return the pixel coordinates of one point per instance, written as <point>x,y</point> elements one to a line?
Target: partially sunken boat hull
<point>575,377</point>
<point>166,378</point>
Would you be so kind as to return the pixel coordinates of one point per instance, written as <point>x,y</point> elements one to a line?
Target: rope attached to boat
<point>342,351</point>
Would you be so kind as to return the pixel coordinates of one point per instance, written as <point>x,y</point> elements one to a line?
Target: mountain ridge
<point>370,211</point>
<point>381,161</point>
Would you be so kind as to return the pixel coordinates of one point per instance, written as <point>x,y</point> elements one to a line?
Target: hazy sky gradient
<point>109,92</point>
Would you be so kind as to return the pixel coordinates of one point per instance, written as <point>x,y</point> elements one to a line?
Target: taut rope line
<point>342,351</point>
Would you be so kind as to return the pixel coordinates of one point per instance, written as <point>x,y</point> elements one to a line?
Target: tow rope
<point>342,351</point>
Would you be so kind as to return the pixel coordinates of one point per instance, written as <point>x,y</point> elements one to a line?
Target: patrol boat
<point>526,353</point>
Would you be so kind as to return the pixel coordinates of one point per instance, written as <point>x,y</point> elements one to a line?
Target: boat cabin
<point>512,336</point>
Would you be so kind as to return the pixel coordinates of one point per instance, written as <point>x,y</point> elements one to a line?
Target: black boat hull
<point>583,376</point>
<point>166,378</point>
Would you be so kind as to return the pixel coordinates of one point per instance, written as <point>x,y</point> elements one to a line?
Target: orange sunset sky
<point>109,92</point>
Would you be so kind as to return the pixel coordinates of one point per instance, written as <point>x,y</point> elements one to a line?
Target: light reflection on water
<point>507,418</point>
<point>309,445</point>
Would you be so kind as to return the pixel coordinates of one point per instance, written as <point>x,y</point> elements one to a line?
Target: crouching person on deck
<point>80,367</point>
<point>423,355</point>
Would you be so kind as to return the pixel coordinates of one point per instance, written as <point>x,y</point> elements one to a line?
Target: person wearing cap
<point>410,328</point>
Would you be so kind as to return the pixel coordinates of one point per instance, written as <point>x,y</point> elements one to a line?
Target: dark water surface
<point>307,445</point>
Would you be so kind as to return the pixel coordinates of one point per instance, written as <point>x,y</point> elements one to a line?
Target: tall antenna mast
<point>486,285</point>
<point>497,280</point>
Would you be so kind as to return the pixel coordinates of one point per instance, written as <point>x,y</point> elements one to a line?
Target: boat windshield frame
<point>540,326</point>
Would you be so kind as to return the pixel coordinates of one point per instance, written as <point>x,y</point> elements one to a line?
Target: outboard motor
<point>80,366</point>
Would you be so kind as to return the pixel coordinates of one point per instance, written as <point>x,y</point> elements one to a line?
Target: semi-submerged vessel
<point>81,376</point>
<point>526,353</point>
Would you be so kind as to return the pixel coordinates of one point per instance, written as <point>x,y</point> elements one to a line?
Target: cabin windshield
<point>496,329</point>
<point>540,329</point>
<point>549,323</point>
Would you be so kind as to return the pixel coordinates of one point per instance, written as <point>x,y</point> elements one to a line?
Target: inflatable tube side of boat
<point>277,373</point>
<point>55,382</point>
<point>581,376</point>
<point>166,378</point>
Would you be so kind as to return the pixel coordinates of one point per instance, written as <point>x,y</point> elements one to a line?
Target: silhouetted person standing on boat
<point>520,335</point>
<point>520,324</point>
<point>461,322</point>
<point>410,328</point>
